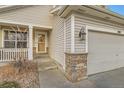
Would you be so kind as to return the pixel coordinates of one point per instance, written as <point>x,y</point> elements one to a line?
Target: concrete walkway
<point>55,79</point>
<point>44,62</point>
<point>51,77</point>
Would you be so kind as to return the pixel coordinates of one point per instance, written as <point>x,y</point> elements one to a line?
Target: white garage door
<point>106,52</point>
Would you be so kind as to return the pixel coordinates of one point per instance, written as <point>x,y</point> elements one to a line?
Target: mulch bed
<point>26,78</point>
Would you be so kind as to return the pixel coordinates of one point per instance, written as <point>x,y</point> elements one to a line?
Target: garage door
<point>106,52</point>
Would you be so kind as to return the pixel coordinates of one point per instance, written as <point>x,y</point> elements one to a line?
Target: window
<point>14,39</point>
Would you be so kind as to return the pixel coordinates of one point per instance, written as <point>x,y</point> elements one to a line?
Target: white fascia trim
<point>105,11</point>
<point>6,8</point>
<point>62,9</point>
<point>55,9</point>
<point>72,34</point>
<point>24,24</point>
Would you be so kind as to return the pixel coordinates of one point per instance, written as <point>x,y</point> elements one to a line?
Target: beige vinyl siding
<point>56,40</point>
<point>38,15</point>
<point>68,34</point>
<point>105,47</point>
<point>80,20</point>
<point>80,45</point>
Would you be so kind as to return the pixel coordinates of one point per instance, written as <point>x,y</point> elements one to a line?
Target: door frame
<point>36,39</point>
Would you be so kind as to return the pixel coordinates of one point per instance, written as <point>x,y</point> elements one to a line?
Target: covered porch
<point>22,41</point>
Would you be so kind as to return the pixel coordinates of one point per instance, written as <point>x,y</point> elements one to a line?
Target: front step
<point>45,62</point>
<point>46,66</point>
<point>37,56</point>
<point>42,60</point>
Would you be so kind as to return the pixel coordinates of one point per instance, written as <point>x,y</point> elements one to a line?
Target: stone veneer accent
<point>76,66</point>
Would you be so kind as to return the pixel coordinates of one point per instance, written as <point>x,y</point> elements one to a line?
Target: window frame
<point>16,40</point>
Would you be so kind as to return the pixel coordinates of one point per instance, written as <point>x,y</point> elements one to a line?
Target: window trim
<point>3,39</point>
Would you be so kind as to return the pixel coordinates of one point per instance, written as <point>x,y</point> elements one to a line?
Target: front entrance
<point>41,40</point>
<point>41,43</point>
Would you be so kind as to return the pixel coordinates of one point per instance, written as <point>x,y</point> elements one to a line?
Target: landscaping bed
<point>25,76</point>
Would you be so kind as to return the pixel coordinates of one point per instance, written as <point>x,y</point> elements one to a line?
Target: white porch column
<point>30,43</point>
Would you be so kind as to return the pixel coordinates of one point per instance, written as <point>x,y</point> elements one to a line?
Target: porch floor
<point>44,62</point>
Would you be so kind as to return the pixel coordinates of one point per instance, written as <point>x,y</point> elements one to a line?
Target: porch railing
<point>11,54</point>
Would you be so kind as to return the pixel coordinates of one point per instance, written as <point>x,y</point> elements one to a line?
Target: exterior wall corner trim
<point>72,34</point>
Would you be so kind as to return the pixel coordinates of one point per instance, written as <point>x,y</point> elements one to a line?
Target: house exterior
<point>83,40</point>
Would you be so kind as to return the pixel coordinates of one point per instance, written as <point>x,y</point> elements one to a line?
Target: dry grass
<point>26,77</point>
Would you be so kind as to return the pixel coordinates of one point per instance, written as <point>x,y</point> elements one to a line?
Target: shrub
<point>6,84</point>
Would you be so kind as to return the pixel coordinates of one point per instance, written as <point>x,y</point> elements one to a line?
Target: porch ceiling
<point>25,25</point>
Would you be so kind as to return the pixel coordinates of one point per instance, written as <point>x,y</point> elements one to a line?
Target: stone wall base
<point>76,66</point>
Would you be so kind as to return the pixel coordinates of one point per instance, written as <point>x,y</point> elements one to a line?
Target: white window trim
<point>3,30</point>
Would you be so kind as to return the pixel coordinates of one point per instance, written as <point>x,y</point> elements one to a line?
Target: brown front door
<point>41,43</point>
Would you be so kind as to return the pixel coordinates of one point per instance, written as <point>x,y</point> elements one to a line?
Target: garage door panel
<point>105,52</point>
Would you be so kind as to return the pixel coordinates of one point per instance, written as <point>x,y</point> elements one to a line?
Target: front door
<point>41,43</point>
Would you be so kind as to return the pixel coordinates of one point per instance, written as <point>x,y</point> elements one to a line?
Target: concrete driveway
<point>55,79</point>
<point>109,79</point>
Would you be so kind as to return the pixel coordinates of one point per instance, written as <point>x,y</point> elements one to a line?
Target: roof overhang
<point>4,8</point>
<point>93,11</point>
